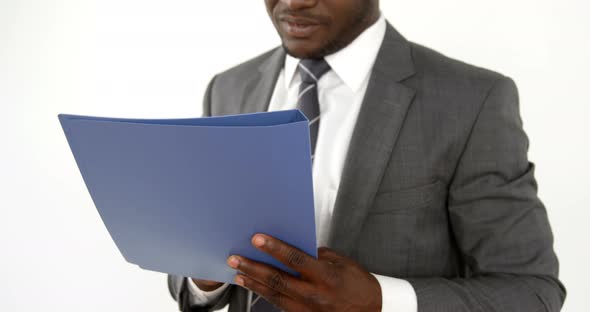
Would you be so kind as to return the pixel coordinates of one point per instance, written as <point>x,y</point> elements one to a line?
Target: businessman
<point>425,199</point>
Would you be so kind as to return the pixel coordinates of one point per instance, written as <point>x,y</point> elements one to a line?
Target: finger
<point>288,255</point>
<point>280,300</point>
<point>271,277</point>
<point>330,255</point>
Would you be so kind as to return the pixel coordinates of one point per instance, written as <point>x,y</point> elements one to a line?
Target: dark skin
<point>330,283</point>
<point>332,24</point>
<point>311,29</point>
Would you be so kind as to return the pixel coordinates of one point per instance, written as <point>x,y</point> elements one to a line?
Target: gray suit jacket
<point>436,189</point>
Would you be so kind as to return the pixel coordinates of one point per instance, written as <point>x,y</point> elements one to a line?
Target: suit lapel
<point>380,119</point>
<point>259,88</point>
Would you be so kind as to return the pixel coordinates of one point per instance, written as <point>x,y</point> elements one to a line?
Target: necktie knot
<point>311,70</point>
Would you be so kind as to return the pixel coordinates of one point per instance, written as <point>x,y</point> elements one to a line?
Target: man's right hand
<point>205,285</point>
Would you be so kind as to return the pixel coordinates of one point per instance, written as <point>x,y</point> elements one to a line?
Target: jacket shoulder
<point>246,68</point>
<point>455,92</point>
<point>433,65</point>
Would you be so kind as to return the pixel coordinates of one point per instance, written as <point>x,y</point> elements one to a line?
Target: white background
<point>131,58</point>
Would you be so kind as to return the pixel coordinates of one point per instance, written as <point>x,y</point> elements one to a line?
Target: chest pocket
<point>407,200</point>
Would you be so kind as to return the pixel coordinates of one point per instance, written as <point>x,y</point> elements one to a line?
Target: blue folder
<point>181,195</point>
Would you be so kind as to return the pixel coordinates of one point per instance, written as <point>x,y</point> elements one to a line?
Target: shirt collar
<point>353,63</point>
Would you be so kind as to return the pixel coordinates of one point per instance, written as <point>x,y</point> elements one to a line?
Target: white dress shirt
<point>341,92</point>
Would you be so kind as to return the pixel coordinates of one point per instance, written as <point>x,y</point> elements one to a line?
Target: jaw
<point>302,49</point>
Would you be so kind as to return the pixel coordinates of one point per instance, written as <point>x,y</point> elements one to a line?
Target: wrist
<point>206,285</point>
<point>377,304</point>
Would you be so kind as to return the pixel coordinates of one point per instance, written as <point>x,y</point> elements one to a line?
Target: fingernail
<point>239,280</point>
<point>233,262</point>
<point>259,241</point>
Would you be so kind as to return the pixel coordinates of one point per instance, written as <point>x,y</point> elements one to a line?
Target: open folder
<point>181,195</point>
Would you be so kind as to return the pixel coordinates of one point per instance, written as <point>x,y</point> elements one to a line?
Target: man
<point>423,190</point>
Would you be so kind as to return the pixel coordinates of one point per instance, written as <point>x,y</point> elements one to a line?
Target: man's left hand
<point>330,283</point>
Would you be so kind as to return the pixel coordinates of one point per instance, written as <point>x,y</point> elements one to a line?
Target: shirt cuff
<point>202,298</point>
<point>397,294</point>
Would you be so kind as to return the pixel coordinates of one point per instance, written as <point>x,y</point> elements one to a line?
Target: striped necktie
<point>311,70</point>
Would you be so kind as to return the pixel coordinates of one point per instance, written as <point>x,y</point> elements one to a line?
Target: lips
<point>298,27</point>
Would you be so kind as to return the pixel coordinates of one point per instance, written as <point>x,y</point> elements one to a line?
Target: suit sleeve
<point>207,98</point>
<point>499,223</point>
<point>177,285</point>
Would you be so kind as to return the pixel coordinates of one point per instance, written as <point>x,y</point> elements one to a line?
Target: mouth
<point>298,27</point>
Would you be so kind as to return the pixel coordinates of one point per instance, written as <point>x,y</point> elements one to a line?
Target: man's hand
<point>330,283</point>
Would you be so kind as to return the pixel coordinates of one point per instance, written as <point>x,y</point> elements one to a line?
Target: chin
<point>312,49</point>
<point>302,51</point>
